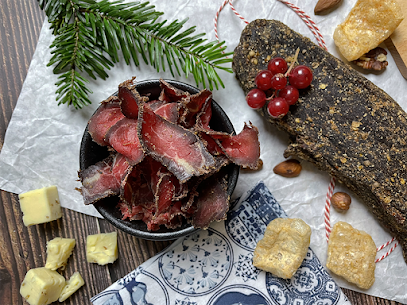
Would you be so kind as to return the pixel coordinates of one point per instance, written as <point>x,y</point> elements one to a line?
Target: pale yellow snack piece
<point>368,24</point>
<point>58,251</point>
<point>351,254</point>
<point>72,285</point>
<point>101,248</point>
<point>283,247</point>
<point>42,286</point>
<point>40,206</point>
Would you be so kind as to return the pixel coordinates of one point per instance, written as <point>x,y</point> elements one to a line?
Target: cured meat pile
<point>166,163</point>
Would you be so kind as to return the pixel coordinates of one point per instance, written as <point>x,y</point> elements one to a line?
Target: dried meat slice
<point>177,148</point>
<point>120,168</point>
<point>171,219</point>
<point>136,190</point>
<point>104,117</point>
<point>204,117</point>
<point>193,105</point>
<point>211,145</point>
<point>244,148</point>
<point>212,203</point>
<point>188,204</point>
<point>169,111</point>
<point>152,171</point>
<point>203,120</point>
<point>155,104</point>
<point>165,193</point>
<point>171,93</point>
<point>104,178</point>
<point>132,212</point>
<point>130,98</point>
<point>123,137</point>
<point>163,97</point>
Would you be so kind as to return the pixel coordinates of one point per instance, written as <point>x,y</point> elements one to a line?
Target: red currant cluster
<point>274,80</point>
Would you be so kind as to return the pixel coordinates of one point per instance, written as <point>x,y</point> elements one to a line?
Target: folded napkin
<point>214,266</point>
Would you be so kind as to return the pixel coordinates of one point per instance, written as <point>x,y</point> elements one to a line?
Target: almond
<point>288,168</point>
<point>325,5</point>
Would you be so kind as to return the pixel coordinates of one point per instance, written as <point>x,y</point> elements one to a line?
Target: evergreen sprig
<point>91,35</point>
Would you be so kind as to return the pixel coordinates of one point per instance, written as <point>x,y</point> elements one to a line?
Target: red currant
<point>263,80</point>
<point>290,94</point>
<point>278,81</point>
<point>277,65</point>
<point>300,77</point>
<point>256,98</point>
<point>277,107</point>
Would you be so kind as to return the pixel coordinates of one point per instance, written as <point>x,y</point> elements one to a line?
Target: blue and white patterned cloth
<point>215,267</point>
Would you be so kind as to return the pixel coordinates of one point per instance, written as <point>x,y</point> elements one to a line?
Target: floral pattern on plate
<point>199,264</point>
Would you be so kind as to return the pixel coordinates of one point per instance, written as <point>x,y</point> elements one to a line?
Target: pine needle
<point>91,36</point>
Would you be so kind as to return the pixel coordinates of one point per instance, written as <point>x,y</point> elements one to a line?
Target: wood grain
<point>397,44</point>
<point>23,248</point>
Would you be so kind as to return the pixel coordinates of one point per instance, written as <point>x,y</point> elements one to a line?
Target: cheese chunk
<point>283,247</point>
<point>58,251</point>
<point>42,286</point>
<point>73,284</point>
<point>368,24</point>
<point>101,248</point>
<point>41,205</point>
<point>352,254</point>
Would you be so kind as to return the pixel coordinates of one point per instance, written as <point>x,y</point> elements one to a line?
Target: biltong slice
<point>212,203</point>
<point>244,148</point>
<point>171,93</point>
<point>104,117</point>
<point>130,98</point>
<point>179,149</point>
<point>104,179</point>
<point>123,137</point>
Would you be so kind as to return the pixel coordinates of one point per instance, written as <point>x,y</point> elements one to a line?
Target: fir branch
<point>91,36</point>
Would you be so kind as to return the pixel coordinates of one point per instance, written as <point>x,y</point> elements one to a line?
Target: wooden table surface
<point>23,248</point>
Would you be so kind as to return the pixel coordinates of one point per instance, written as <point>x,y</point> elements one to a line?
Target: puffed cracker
<point>351,254</point>
<point>368,24</point>
<point>283,247</point>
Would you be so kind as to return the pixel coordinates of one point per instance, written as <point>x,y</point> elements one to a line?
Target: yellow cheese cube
<point>58,251</point>
<point>73,284</point>
<point>101,248</point>
<point>42,286</point>
<point>41,205</point>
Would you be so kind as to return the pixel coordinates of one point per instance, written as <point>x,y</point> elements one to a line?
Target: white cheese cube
<point>73,284</point>
<point>40,206</point>
<point>42,286</point>
<point>101,248</point>
<point>58,251</point>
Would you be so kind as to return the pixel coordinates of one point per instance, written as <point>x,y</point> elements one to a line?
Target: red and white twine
<point>327,209</point>
<point>328,228</point>
<point>321,42</point>
<point>306,18</point>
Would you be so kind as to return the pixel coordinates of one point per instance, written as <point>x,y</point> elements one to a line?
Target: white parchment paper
<point>42,140</point>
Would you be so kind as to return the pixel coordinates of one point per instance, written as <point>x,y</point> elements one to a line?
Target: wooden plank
<point>397,44</point>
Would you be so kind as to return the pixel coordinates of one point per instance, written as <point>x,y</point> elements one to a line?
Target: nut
<point>375,59</point>
<point>324,6</point>
<point>341,201</point>
<point>288,168</point>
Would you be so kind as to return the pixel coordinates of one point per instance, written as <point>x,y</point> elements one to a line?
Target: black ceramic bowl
<point>91,153</point>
